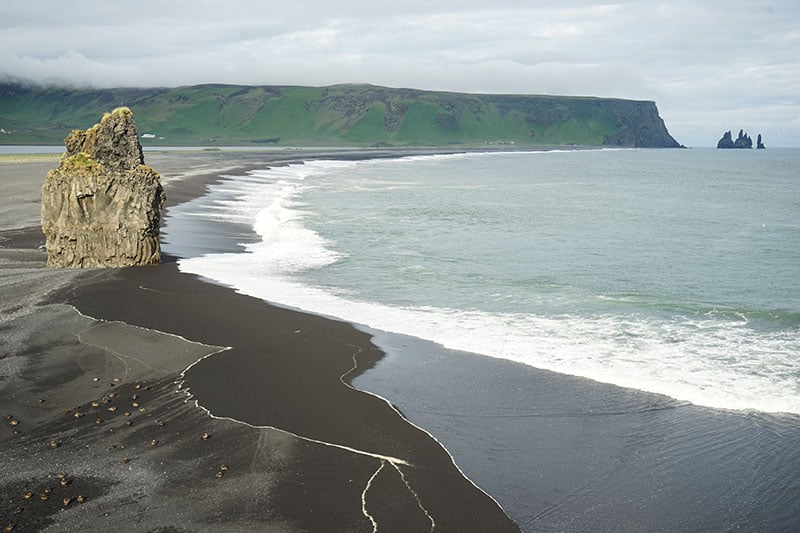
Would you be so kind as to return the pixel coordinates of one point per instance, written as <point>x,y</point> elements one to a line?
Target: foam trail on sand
<point>343,379</point>
<point>364,510</point>
<point>419,503</point>
<point>181,381</point>
<point>396,462</point>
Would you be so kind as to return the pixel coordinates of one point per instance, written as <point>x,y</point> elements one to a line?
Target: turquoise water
<point>669,271</point>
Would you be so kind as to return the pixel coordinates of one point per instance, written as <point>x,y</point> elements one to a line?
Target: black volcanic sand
<point>100,430</point>
<point>563,453</point>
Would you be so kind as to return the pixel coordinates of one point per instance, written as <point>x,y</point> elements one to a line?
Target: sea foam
<point>715,362</point>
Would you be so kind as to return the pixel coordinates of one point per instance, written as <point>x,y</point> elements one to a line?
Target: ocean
<point>658,287</point>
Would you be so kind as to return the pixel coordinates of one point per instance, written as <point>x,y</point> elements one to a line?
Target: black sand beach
<point>102,430</point>
<point>264,433</point>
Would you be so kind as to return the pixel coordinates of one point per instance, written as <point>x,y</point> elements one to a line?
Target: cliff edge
<point>102,206</point>
<point>337,115</point>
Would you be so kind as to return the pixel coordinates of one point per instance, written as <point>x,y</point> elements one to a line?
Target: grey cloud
<point>713,59</point>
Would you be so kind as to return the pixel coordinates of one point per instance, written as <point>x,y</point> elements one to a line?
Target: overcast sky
<point>710,65</point>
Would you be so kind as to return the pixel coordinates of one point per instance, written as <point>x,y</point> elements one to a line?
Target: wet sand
<point>92,387</point>
<point>564,453</point>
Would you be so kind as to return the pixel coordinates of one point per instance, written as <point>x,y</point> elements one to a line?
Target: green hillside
<point>340,115</point>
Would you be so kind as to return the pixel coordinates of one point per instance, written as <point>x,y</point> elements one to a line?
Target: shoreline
<point>483,430</point>
<point>300,395</point>
<point>381,469</point>
<point>583,455</point>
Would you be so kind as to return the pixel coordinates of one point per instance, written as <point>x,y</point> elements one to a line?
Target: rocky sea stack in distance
<point>102,206</point>
<point>743,140</point>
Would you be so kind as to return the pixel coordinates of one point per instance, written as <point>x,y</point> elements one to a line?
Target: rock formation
<point>742,141</point>
<point>726,141</point>
<point>759,144</point>
<point>102,206</point>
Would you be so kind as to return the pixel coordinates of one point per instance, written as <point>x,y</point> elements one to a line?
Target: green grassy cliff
<point>340,115</point>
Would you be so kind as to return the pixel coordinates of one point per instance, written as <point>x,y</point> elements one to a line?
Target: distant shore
<point>92,366</point>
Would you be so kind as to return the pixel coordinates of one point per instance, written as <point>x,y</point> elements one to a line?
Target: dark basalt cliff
<point>339,115</point>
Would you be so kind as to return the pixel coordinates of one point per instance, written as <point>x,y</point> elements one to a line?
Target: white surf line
<point>364,498</point>
<point>452,459</point>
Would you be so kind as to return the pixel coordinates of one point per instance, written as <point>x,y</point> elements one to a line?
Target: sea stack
<point>742,141</point>
<point>102,206</point>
